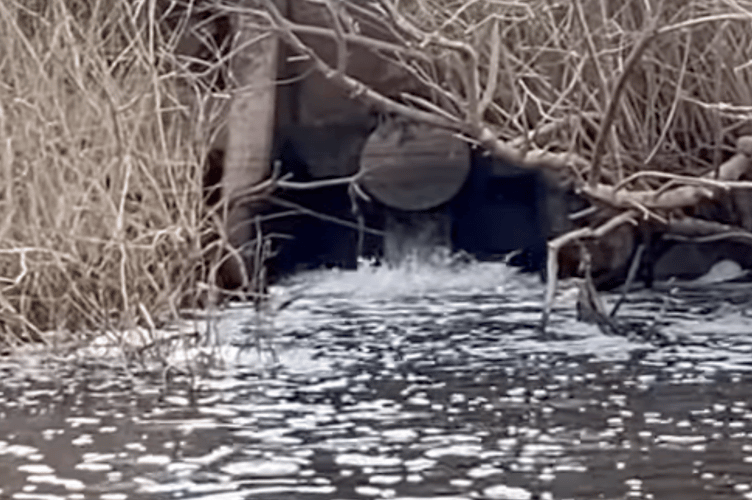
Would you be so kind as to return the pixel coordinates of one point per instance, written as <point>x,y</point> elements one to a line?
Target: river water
<point>423,382</point>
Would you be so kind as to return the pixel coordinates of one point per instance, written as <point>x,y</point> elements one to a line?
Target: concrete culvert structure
<point>413,167</point>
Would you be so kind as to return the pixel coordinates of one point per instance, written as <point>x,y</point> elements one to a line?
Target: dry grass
<point>100,186</point>
<point>682,104</point>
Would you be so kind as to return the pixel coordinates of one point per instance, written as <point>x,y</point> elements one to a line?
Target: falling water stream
<point>428,381</point>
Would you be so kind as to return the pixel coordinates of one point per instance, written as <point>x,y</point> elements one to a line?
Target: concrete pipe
<point>414,167</point>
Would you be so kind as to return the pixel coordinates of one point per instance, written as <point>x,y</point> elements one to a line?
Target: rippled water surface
<point>419,383</point>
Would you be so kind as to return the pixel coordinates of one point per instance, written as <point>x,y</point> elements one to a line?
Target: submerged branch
<point>552,264</point>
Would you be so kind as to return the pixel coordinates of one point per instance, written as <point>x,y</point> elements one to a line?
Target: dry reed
<point>100,182</point>
<point>681,107</point>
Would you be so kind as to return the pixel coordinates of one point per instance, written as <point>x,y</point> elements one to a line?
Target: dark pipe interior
<point>500,209</point>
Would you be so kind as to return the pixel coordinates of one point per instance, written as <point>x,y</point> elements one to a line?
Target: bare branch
<point>683,179</point>
<point>552,263</point>
<point>493,70</point>
<point>645,38</point>
<point>350,38</point>
<point>691,23</point>
<point>340,37</point>
<point>464,49</point>
<point>357,89</point>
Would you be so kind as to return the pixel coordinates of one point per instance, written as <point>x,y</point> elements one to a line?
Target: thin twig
<point>684,179</point>
<point>324,217</point>
<point>493,70</point>
<point>552,264</point>
<point>642,43</point>
<point>339,37</point>
<point>633,268</point>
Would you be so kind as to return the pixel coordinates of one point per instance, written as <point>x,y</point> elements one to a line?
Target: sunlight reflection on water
<point>427,382</point>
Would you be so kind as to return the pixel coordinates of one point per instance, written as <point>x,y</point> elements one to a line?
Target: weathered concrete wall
<point>319,101</point>
<point>250,129</point>
<point>317,152</point>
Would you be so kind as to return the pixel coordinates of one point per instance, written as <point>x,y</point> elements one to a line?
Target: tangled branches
<point>636,106</point>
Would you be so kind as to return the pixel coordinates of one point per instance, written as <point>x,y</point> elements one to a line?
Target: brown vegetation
<point>100,180</point>
<point>637,103</point>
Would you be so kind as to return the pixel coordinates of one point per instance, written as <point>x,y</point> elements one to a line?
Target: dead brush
<point>101,205</point>
<point>101,213</point>
<point>548,72</point>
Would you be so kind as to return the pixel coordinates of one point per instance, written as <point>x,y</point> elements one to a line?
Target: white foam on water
<point>362,460</point>
<point>149,459</point>
<point>458,450</point>
<point>93,467</point>
<point>113,496</point>
<point>51,479</point>
<point>262,468</point>
<point>504,492</point>
<point>407,280</point>
<point>722,271</point>
<point>36,469</point>
<point>18,450</point>
<point>385,479</point>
